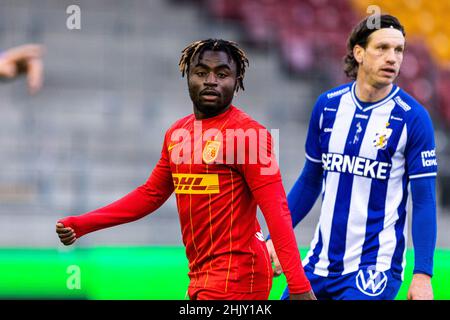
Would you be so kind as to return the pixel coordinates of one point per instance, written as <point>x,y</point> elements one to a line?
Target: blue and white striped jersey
<point>369,152</point>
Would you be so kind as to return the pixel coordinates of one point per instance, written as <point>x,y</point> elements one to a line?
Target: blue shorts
<point>364,284</point>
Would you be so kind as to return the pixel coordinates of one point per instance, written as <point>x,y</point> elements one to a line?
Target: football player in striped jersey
<point>367,141</point>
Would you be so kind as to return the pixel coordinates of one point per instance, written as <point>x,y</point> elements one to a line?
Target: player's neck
<point>367,92</point>
<point>201,115</point>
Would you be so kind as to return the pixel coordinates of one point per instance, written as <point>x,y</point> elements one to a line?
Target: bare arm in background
<point>24,59</point>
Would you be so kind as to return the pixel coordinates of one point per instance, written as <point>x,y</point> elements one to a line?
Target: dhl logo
<point>196,183</point>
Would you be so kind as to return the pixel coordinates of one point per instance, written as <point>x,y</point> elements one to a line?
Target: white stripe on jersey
<point>415,176</point>
<point>325,221</point>
<point>312,159</point>
<point>356,224</point>
<point>313,244</point>
<point>342,123</point>
<point>394,196</point>
<point>338,138</point>
<point>405,235</point>
<point>361,187</point>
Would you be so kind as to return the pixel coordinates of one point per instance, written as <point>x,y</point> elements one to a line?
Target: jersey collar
<point>366,106</point>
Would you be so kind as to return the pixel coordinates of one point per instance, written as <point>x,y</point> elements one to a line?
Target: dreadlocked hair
<point>229,47</point>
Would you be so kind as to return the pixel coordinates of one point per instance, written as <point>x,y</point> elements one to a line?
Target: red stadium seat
<point>443,85</point>
<point>312,35</point>
<point>225,9</point>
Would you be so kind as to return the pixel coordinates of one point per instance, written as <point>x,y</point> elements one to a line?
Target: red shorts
<point>212,294</point>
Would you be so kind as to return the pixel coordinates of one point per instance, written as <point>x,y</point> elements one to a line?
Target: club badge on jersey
<point>382,137</point>
<point>211,151</point>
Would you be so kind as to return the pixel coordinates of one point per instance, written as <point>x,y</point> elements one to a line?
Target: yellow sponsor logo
<point>196,183</point>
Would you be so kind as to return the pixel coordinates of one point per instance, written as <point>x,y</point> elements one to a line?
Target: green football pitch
<point>132,273</point>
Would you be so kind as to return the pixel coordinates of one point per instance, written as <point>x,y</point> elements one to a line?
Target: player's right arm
<point>308,186</point>
<point>135,205</point>
<point>301,199</point>
<point>421,166</point>
<point>264,181</point>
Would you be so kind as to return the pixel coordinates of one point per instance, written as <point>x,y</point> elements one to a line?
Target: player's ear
<point>358,53</point>
<point>236,84</point>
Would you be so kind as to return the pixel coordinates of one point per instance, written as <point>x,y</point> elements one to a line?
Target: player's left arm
<point>135,205</point>
<point>424,229</point>
<point>421,164</point>
<point>300,199</point>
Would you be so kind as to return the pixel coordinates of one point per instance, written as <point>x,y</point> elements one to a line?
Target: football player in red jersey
<point>220,164</point>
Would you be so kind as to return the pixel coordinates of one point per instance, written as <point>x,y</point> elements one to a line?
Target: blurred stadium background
<point>113,87</point>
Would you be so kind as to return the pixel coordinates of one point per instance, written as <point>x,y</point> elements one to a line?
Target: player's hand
<point>66,235</point>
<point>24,59</point>
<point>303,296</point>
<point>274,258</point>
<point>420,288</point>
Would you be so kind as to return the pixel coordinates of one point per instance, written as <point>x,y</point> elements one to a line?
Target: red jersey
<point>220,169</point>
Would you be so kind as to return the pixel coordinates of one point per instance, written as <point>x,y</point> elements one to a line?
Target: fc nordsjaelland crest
<point>210,151</point>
